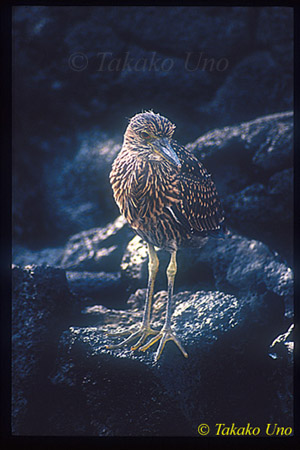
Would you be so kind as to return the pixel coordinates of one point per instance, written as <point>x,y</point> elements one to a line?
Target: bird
<point>170,200</point>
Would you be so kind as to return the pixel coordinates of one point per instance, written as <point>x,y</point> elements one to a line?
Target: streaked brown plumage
<point>168,198</point>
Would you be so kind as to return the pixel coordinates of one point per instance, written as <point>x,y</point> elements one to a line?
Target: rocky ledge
<point>66,382</point>
<point>233,312</point>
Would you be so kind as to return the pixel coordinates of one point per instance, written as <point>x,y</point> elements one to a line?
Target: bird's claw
<point>164,335</point>
<point>142,333</point>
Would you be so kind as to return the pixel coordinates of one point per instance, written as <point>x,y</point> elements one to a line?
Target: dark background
<point>62,116</point>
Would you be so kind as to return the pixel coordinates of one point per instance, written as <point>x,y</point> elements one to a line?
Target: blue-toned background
<point>213,67</point>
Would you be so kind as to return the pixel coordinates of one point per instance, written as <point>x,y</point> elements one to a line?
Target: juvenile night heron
<point>169,199</point>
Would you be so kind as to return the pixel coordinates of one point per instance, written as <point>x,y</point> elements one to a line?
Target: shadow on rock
<point>66,382</point>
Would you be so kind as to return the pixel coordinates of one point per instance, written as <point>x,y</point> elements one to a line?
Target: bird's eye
<point>145,135</point>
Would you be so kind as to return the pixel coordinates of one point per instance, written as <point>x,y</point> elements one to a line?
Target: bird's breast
<point>144,190</point>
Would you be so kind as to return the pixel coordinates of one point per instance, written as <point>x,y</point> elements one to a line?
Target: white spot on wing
<point>173,214</point>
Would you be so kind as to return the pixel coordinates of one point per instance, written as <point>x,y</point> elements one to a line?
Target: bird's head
<point>150,135</point>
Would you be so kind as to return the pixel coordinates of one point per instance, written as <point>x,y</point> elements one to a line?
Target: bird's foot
<point>164,335</point>
<point>142,334</point>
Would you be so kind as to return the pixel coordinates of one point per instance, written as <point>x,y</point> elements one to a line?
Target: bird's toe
<point>164,336</point>
<point>142,334</point>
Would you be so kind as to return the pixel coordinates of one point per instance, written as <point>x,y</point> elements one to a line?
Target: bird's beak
<point>164,148</point>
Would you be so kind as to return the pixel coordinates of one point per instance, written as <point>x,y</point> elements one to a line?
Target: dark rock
<point>103,287</point>
<point>282,352</point>
<point>242,265</point>
<point>173,396</point>
<point>281,183</point>
<point>252,167</point>
<point>50,256</point>
<point>78,191</point>
<point>41,310</point>
<point>276,152</point>
<point>97,249</point>
<point>235,264</point>
<point>271,24</point>
<point>56,190</point>
<point>72,195</point>
<point>189,30</point>
<point>261,212</point>
<point>230,33</point>
<point>134,268</point>
<point>255,69</point>
<point>119,392</point>
<point>130,405</point>
<point>261,147</point>
<point>283,346</point>
<point>270,36</point>
<point>133,265</point>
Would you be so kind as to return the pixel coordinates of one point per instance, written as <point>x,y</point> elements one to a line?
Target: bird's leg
<point>166,334</point>
<point>145,329</point>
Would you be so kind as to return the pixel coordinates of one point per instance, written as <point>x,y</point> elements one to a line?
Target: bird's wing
<point>199,208</point>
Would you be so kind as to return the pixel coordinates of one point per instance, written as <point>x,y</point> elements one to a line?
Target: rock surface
<point>235,264</point>
<point>41,309</point>
<point>122,393</point>
<point>252,164</point>
<point>97,249</point>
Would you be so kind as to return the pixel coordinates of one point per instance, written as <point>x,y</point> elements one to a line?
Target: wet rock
<point>41,309</point>
<point>214,328</point>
